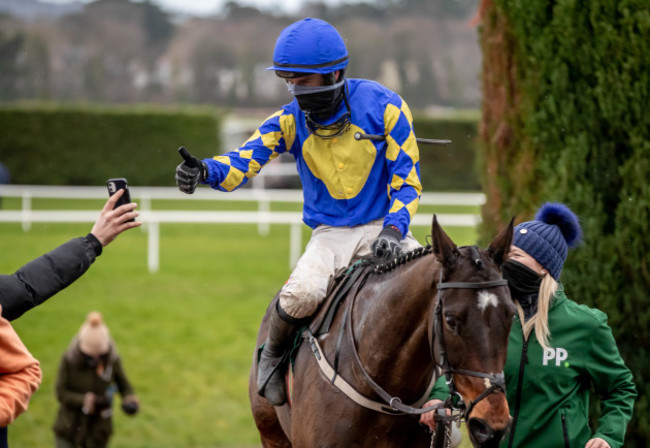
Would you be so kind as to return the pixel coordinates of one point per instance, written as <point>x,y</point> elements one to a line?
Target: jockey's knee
<point>300,306</point>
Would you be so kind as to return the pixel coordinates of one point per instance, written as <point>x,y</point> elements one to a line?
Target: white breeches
<point>329,249</point>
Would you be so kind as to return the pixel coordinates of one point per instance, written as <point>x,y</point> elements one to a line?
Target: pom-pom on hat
<point>94,339</point>
<point>548,238</point>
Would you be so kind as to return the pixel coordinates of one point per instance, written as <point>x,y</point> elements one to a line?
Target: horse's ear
<point>444,248</point>
<point>500,246</point>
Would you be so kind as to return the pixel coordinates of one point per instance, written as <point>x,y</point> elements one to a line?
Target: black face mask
<point>320,106</point>
<point>320,103</point>
<point>522,280</point>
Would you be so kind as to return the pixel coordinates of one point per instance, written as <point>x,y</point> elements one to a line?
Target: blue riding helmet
<point>309,46</point>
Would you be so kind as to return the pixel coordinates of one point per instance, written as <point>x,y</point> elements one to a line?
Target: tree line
<point>120,51</point>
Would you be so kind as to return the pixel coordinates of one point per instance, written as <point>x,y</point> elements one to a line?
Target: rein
<point>497,381</point>
<point>393,402</point>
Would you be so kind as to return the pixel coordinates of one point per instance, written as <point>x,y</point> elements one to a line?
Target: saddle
<point>347,282</point>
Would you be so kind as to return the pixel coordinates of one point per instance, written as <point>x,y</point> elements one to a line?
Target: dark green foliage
<point>582,88</point>
<point>450,167</point>
<point>86,146</point>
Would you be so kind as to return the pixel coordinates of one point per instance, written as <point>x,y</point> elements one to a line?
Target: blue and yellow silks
<point>345,182</point>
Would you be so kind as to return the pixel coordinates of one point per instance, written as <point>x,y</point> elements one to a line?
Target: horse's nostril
<point>481,434</point>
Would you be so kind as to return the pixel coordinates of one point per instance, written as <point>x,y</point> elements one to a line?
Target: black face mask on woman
<point>522,280</point>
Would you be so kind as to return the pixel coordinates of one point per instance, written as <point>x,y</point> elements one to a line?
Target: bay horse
<point>438,308</point>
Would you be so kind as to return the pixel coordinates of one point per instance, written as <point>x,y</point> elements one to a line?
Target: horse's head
<point>472,321</point>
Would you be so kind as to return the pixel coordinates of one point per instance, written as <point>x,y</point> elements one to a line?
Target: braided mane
<point>402,259</point>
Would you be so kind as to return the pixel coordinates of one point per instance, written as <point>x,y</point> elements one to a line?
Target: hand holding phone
<point>115,185</point>
<point>110,224</point>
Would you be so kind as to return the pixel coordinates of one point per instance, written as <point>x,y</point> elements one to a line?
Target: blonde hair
<point>539,321</point>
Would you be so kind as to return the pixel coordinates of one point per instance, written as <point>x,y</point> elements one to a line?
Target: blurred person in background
<point>20,376</point>
<point>48,274</point>
<point>90,373</point>
<point>557,349</point>
<point>5,177</point>
<point>359,195</point>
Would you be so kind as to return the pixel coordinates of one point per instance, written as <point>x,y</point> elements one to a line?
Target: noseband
<point>497,381</point>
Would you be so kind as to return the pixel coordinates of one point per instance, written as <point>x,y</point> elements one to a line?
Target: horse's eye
<point>451,322</point>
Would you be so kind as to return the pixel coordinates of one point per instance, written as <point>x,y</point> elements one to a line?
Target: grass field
<point>186,334</point>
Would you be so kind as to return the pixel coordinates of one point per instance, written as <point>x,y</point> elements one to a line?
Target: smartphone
<point>115,185</point>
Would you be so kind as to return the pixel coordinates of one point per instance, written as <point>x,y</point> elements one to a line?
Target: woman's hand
<point>88,406</point>
<point>597,442</point>
<point>113,222</point>
<point>428,418</point>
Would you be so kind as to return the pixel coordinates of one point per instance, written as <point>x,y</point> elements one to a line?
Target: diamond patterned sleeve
<point>403,160</point>
<point>274,136</point>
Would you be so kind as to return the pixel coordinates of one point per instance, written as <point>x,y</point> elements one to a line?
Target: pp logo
<point>558,354</point>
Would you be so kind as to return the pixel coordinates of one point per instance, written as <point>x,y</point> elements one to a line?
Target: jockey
<point>359,196</point>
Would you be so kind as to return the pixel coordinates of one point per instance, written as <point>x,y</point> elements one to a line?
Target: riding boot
<point>270,369</point>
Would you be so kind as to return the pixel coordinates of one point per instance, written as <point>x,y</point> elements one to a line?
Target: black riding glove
<point>387,244</point>
<point>190,172</point>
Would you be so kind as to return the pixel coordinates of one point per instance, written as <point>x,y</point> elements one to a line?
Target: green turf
<point>186,333</point>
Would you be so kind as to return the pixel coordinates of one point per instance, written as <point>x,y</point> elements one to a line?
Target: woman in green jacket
<point>89,375</point>
<point>557,348</point>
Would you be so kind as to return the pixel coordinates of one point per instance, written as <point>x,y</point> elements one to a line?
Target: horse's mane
<point>381,268</point>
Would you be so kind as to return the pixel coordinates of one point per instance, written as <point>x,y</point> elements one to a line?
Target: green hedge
<point>576,129</point>
<point>87,145</point>
<point>449,167</point>
<point>49,145</point>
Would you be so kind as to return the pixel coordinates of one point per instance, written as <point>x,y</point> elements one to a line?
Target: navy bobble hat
<point>548,238</point>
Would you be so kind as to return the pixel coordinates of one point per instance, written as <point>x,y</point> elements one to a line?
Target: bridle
<point>497,381</point>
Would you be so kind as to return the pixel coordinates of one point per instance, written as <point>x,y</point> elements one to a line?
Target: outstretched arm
<point>233,169</point>
<point>48,274</point>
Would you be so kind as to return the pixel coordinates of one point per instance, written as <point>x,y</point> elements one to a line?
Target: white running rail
<point>263,217</point>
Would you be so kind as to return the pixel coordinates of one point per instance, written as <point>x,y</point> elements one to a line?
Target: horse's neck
<point>391,321</point>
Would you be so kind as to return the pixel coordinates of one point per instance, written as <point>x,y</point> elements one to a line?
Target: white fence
<point>152,219</point>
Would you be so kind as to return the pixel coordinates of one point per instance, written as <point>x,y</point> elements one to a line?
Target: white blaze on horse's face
<point>486,299</point>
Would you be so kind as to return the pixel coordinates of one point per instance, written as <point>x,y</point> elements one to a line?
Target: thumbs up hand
<point>190,172</point>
